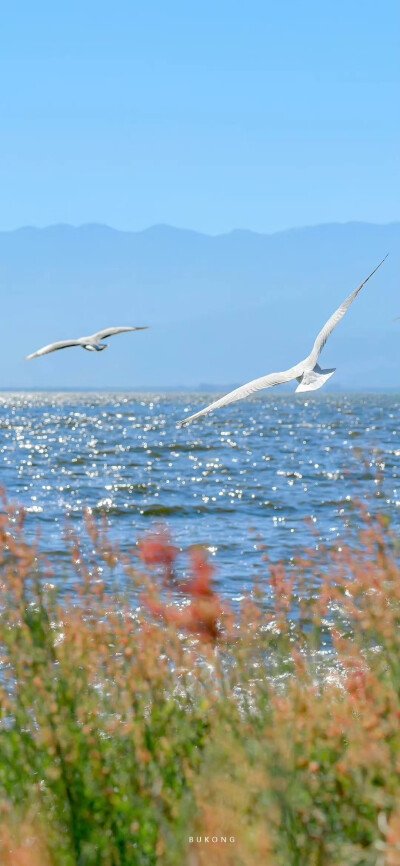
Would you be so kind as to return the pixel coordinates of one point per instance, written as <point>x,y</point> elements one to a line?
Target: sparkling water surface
<point>256,469</point>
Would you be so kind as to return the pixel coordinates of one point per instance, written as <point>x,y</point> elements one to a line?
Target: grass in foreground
<point>129,725</point>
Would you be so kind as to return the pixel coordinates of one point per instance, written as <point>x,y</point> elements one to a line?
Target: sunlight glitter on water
<point>266,463</point>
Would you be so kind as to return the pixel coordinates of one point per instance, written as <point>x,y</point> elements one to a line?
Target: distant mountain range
<point>221,309</point>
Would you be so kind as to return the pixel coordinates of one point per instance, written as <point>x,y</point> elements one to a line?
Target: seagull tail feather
<point>314,379</point>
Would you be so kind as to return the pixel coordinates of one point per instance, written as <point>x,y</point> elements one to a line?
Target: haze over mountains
<point>222,309</point>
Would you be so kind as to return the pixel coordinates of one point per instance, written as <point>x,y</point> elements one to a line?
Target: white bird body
<point>93,343</point>
<point>308,372</point>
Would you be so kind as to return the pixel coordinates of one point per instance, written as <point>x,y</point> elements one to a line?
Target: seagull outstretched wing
<point>244,391</point>
<point>335,318</point>
<point>110,332</point>
<point>54,347</point>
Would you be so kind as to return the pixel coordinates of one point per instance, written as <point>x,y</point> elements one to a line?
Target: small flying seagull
<point>308,372</point>
<point>93,343</point>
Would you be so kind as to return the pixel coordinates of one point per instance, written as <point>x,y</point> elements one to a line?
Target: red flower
<point>202,574</point>
<point>158,550</point>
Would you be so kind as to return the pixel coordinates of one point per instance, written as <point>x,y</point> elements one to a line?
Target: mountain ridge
<point>173,228</point>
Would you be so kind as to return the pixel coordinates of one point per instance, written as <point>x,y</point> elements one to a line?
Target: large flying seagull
<point>308,372</point>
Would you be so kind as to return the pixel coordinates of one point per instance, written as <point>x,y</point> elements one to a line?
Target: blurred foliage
<point>130,724</point>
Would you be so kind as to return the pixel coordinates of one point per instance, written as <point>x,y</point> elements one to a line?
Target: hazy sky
<point>208,115</point>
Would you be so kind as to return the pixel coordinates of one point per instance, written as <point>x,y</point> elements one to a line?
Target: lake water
<point>257,468</point>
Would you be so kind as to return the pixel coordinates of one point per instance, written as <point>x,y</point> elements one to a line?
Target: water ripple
<point>262,465</point>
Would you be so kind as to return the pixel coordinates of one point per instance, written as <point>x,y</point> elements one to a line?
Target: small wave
<point>169,510</point>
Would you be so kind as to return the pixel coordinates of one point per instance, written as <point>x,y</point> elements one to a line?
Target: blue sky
<point>210,115</point>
